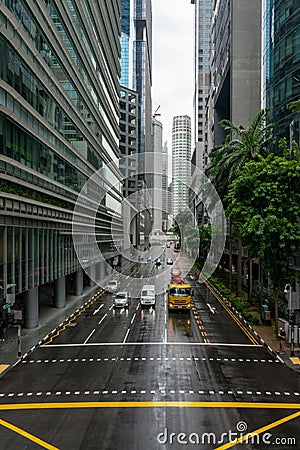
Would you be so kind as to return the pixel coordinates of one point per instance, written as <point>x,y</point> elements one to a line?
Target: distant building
<point>155,163</point>
<point>181,162</point>
<point>165,164</point>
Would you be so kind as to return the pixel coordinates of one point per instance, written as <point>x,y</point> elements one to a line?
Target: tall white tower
<point>181,159</point>
<point>156,166</point>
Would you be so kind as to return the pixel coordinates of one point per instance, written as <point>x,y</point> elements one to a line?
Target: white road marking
<point>162,391</point>
<point>128,331</point>
<point>133,317</point>
<point>102,319</point>
<point>211,308</point>
<point>90,335</point>
<point>205,344</point>
<point>98,309</point>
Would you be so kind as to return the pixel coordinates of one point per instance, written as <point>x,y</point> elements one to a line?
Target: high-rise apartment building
<point>181,162</point>
<point>281,63</point>
<point>59,91</point>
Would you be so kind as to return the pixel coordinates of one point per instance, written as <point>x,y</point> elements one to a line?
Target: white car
<point>148,295</point>
<point>122,300</point>
<point>169,261</point>
<point>113,286</point>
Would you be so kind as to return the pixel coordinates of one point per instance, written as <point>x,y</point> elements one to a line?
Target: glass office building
<point>59,114</point>
<point>282,48</point>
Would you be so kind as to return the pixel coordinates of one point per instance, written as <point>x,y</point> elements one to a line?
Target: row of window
<point>18,75</point>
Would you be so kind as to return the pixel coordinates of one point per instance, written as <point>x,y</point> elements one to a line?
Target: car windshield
<point>180,291</point>
<point>147,293</point>
<point>122,295</point>
<point>112,283</point>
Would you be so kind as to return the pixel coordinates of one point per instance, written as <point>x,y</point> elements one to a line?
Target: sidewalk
<point>267,334</point>
<point>49,319</point>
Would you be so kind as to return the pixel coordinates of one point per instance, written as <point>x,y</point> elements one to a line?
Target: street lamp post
<point>288,291</point>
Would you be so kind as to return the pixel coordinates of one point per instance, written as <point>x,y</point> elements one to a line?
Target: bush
<point>239,304</point>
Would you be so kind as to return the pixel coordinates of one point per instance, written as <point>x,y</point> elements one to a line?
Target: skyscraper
<point>165,204</point>
<point>236,63</point>
<point>142,73</point>
<point>282,67</point>
<point>136,62</point>
<point>181,162</point>
<point>60,73</point>
<point>202,71</point>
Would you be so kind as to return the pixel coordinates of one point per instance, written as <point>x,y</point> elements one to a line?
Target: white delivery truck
<point>148,295</point>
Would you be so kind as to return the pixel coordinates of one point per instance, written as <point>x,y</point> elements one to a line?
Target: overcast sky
<point>173,66</point>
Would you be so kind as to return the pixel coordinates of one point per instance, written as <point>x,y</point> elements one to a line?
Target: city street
<point>149,379</point>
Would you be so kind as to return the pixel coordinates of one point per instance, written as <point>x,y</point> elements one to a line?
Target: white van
<point>148,295</point>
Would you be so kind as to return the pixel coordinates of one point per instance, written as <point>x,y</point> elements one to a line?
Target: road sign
<point>8,305</point>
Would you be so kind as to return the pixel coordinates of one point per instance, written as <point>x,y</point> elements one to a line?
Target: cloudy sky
<point>173,81</point>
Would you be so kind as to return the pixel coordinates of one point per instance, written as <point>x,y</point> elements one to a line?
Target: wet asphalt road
<point>148,379</point>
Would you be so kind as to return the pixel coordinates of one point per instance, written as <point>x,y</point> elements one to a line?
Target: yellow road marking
<point>27,435</point>
<point>3,367</point>
<point>259,431</point>
<point>295,360</point>
<point>171,404</point>
<point>73,318</point>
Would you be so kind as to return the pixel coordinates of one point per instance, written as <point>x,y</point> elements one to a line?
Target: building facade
<point>181,162</point>
<point>236,63</point>
<point>59,91</point>
<point>157,168</point>
<point>281,75</point>
<point>165,205</point>
<point>202,72</point>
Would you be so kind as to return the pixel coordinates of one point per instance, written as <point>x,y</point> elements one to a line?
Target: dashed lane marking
<point>179,358</point>
<point>162,391</point>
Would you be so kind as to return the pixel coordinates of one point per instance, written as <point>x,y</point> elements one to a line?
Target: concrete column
<point>60,292</point>
<point>31,313</point>
<point>100,271</point>
<point>78,282</point>
<point>92,275</point>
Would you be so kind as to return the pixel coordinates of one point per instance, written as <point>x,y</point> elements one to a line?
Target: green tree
<point>264,204</point>
<point>240,146</point>
<point>294,106</point>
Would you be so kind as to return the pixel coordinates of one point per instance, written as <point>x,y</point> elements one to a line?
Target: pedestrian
<point>282,339</point>
<point>2,330</point>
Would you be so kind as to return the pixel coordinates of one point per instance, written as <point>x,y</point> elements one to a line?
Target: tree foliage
<point>264,204</point>
<point>241,145</point>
